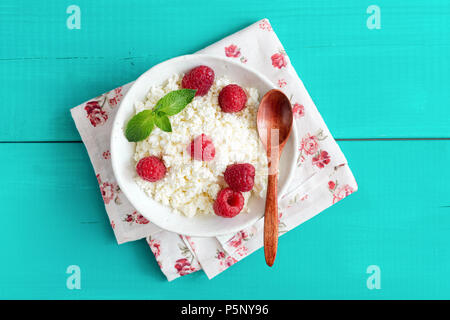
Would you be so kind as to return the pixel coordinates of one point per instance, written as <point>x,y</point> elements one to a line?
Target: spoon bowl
<point>274,113</point>
<point>274,122</point>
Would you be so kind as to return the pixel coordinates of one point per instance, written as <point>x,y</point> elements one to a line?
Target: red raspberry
<point>200,78</point>
<point>240,177</point>
<point>202,148</point>
<point>228,203</point>
<point>232,98</point>
<point>151,168</point>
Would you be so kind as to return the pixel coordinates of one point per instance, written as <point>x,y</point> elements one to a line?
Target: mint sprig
<point>142,124</point>
<point>163,123</point>
<point>174,101</point>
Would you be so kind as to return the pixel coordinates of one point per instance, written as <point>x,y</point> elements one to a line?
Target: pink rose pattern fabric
<point>282,83</point>
<point>298,110</point>
<point>322,177</point>
<point>135,217</point>
<point>95,113</point>
<point>232,51</point>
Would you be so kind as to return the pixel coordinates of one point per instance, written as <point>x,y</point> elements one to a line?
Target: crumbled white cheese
<point>191,186</point>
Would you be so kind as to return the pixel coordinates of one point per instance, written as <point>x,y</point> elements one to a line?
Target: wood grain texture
<point>391,81</point>
<point>399,219</point>
<point>274,122</point>
<point>271,219</point>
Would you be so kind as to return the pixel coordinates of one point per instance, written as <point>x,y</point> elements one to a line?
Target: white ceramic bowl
<point>122,151</point>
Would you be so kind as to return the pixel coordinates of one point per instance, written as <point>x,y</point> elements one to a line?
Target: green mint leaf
<point>140,126</point>
<point>163,123</point>
<point>174,101</point>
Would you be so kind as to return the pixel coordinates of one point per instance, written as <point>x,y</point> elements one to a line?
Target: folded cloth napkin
<point>322,176</point>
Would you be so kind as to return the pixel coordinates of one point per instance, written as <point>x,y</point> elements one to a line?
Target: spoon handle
<point>271,215</point>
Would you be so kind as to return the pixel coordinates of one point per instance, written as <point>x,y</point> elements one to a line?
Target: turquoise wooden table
<point>384,94</point>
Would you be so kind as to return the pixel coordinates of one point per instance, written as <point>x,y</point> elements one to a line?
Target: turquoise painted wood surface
<point>387,83</point>
<point>53,216</point>
<point>393,81</point>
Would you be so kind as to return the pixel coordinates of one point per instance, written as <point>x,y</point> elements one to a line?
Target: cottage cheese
<point>191,186</point>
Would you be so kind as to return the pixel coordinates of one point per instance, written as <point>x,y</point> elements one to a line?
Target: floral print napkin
<point>322,177</point>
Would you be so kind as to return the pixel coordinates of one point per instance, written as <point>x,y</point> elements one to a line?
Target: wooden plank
<point>366,83</point>
<point>399,219</point>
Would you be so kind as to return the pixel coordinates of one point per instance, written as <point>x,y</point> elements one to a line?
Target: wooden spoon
<point>274,123</point>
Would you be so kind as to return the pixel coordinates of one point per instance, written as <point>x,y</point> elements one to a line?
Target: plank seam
<point>339,139</point>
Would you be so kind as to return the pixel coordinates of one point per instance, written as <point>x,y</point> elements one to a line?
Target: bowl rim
<point>283,190</point>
